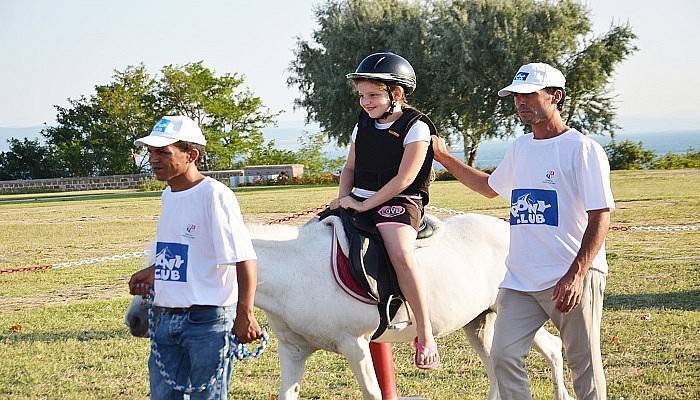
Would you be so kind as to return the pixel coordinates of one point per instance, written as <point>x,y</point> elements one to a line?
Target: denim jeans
<point>191,345</point>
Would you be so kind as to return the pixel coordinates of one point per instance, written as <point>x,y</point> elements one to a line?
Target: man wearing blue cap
<point>558,184</point>
<point>200,237</point>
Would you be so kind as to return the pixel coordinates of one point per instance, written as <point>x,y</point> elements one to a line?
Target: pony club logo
<point>521,76</point>
<point>171,262</point>
<point>549,177</point>
<point>391,211</point>
<point>189,231</point>
<point>534,207</point>
<point>163,125</point>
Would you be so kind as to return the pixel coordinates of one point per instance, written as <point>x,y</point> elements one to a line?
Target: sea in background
<point>491,152</point>
<point>286,136</point>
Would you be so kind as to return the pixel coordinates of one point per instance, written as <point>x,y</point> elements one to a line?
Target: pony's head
<point>136,318</point>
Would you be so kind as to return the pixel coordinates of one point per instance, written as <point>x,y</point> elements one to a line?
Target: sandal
<point>427,352</point>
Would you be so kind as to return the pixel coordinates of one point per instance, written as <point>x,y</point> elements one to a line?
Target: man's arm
<point>569,289</point>
<point>472,178</point>
<point>246,327</point>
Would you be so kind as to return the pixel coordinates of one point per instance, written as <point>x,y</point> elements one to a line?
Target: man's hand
<point>246,327</point>
<point>568,292</point>
<point>142,281</point>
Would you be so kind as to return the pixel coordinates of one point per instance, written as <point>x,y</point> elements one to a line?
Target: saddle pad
<point>340,265</point>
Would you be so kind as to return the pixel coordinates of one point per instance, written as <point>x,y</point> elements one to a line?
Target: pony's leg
<point>293,350</point>
<point>550,347</point>
<point>292,360</point>
<point>356,350</point>
<point>480,334</point>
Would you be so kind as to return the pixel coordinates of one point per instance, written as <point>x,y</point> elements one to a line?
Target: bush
<point>151,185</point>
<point>444,175</point>
<point>628,155</point>
<point>317,179</point>
<point>691,159</point>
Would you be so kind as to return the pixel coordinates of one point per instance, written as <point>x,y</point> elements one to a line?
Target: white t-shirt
<point>200,237</point>
<point>551,184</point>
<point>419,132</point>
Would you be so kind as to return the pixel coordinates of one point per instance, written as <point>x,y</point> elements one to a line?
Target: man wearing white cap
<point>558,184</point>
<point>200,237</point>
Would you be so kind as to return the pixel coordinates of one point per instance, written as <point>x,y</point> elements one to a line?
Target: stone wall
<point>93,183</point>
<point>291,170</point>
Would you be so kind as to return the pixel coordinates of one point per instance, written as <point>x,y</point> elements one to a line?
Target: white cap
<point>171,129</point>
<point>533,77</point>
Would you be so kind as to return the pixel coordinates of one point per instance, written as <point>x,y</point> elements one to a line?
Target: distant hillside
<point>30,132</point>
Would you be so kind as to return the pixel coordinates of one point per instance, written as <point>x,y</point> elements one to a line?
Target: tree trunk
<point>471,146</point>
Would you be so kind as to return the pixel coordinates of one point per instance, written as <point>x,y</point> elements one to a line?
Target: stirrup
<point>399,324</point>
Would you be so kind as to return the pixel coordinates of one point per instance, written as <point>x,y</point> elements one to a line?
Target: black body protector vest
<point>378,153</point>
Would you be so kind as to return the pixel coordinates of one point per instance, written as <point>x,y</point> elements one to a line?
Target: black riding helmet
<point>388,68</point>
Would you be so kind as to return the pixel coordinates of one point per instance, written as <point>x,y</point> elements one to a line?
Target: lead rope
<point>235,349</point>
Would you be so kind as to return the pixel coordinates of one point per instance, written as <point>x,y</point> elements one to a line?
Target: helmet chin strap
<point>393,105</point>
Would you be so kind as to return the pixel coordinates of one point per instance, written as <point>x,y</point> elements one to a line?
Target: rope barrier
<point>290,217</point>
<point>615,228</point>
<point>86,261</point>
<point>297,215</point>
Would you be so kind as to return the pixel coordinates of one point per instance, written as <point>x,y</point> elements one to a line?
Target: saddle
<point>362,268</point>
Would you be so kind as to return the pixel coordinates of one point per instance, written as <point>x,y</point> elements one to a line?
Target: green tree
<point>230,115</point>
<point>95,135</point>
<point>269,155</point>
<point>463,52</point>
<point>311,155</point>
<point>27,159</point>
<point>628,155</point>
<point>348,32</point>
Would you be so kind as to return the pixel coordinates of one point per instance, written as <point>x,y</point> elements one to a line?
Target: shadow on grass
<point>62,336</point>
<point>687,301</point>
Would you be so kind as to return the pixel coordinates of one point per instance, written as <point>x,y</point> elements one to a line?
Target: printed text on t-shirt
<point>534,206</point>
<point>171,262</point>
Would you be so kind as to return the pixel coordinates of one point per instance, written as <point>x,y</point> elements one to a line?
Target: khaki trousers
<point>521,314</point>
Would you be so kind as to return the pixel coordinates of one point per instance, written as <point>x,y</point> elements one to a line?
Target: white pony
<point>308,311</point>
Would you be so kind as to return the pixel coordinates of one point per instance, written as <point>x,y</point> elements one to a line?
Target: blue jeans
<point>191,345</point>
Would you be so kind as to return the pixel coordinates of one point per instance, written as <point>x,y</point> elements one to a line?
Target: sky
<point>52,50</point>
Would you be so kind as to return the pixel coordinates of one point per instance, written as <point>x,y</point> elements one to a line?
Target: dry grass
<point>62,336</point>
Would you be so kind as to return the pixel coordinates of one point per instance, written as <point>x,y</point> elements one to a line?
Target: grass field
<point>62,335</point>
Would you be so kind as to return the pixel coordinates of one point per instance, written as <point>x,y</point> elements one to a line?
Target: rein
<point>235,349</point>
